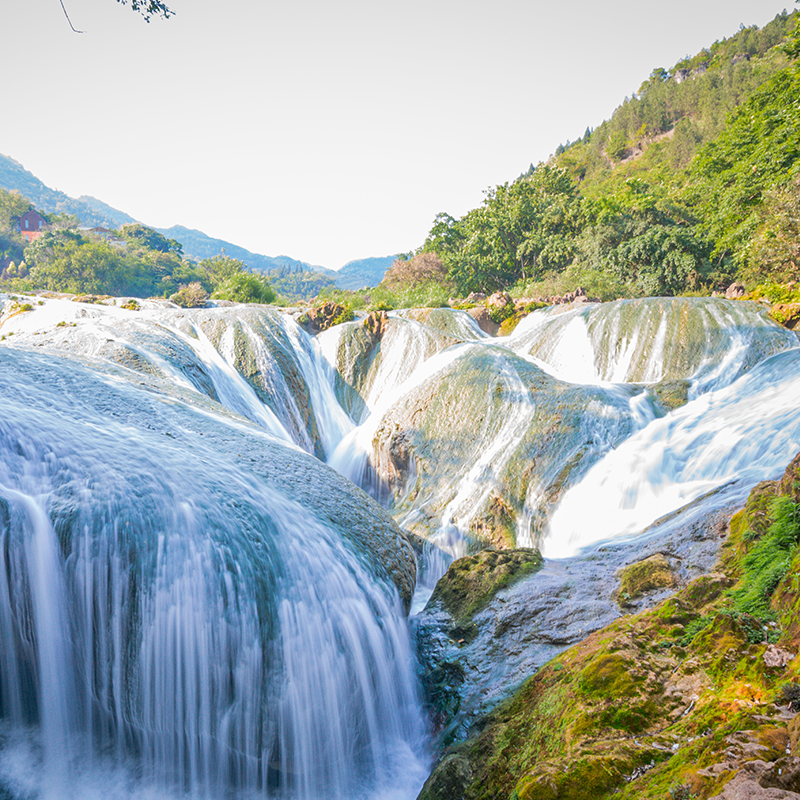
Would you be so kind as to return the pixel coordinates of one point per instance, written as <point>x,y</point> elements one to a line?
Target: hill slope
<point>684,188</point>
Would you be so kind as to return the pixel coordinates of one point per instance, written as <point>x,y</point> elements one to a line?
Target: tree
<point>149,8</point>
<point>246,287</point>
<point>137,233</point>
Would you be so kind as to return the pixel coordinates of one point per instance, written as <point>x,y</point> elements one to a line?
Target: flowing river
<point>203,586</point>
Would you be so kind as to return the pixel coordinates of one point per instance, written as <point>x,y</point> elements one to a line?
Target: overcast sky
<point>321,129</point>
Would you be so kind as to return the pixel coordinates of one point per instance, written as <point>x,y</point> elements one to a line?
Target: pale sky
<point>324,130</point>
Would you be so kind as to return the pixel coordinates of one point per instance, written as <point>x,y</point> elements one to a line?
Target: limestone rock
<point>645,576</point>
<point>734,291</point>
<point>375,323</point>
<point>485,322</point>
<point>777,657</point>
<point>471,582</point>
<point>319,319</point>
<point>499,300</point>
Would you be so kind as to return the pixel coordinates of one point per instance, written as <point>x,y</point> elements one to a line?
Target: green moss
<point>609,675</point>
<point>471,582</point>
<point>656,700</point>
<point>645,576</point>
<point>671,394</point>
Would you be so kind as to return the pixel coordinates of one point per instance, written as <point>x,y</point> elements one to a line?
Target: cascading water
<point>191,605</point>
<point>171,622</point>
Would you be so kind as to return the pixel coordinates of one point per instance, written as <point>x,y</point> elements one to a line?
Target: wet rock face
<point>687,698</point>
<point>645,576</point>
<point>471,662</point>
<point>671,394</point>
<point>494,416</point>
<point>481,315</point>
<point>471,582</point>
<point>788,314</point>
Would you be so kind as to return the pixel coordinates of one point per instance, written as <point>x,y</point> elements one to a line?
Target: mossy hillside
<point>683,694</point>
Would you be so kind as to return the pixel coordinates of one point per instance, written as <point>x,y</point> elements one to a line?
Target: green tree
<point>136,233</point>
<point>245,287</point>
<point>758,150</point>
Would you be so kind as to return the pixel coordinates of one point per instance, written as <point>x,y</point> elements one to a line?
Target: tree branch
<point>68,19</point>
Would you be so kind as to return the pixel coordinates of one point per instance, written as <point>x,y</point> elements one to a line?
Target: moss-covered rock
<point>671,394</point>
<point>471,582</point>
<point>690,693</point>
<point>645,576</point>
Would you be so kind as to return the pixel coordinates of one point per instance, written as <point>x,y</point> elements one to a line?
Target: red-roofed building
<point>32,225</point>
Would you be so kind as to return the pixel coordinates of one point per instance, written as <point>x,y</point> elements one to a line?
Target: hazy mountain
<point>293,278</point>
<point>197,244</point>
<point>363,272</point>
<point>88,210</point>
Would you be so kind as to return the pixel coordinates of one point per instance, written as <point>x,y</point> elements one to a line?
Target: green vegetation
<point>418,282</point>
<point>692,182</point>
<point>668,703</point>
<point>132,261</point>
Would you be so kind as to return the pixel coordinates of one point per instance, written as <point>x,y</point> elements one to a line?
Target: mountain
<point>292,278</point>
<point>691,184</point>
<point>198,245</point>
<point>364,272</point>
<point>13,176</point>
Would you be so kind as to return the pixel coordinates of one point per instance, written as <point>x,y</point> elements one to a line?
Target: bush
<point>245,287</point>
<point>191,296</point>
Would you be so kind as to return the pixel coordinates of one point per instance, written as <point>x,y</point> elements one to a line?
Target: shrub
<point>191,296</point>
<point>246,287</point>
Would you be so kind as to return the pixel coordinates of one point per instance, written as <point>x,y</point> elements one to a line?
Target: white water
<point>747,431</point>
<point>175,627</point>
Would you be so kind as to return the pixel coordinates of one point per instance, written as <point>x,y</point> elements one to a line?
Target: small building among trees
<point>31,225</point>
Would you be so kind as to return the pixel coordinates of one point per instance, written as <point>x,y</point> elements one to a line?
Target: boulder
<point>375,323</point>
<point>499,300</point>
<point>734,291</point>
<point>485,322</point>
<point>319,319</point>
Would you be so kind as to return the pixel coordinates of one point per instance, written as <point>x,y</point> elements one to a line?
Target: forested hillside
<point>90,211</point>
<point>134,261</point>
<point>692,182</point>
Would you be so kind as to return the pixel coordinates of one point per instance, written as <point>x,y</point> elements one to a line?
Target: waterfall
<point>193,604</point>
<point>173,623</point>
<point>746,432</point>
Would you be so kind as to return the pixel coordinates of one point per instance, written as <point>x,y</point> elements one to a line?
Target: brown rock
<point>485,322</point>
<point>788,314</point>
<point>734,290</point>
<point>790,482</point>
<point>319,319</point>
<point>500,300</point>
<point>746,787</point>
<point>375,323</point>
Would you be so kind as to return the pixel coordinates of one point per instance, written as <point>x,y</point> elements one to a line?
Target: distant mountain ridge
<point>291,276</point>
<point>87,209</point>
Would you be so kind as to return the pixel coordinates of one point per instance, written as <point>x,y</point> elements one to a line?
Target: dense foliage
<point>686,187</point>
<point>133,261</point>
